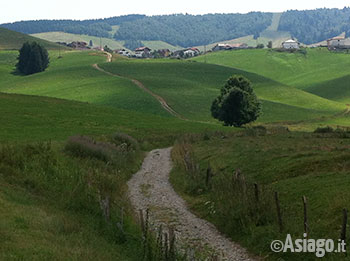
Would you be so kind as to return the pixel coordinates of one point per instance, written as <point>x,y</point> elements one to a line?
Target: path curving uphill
<point>150,188</point>
<point>139,84</point>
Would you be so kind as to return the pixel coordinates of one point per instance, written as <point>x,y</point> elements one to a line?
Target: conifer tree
<point>32,58</point>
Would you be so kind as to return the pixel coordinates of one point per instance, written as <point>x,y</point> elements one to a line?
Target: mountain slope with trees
<point>309,26</point>
<point>182,30</point>
<point>93,27</point>
<point>191,30</point>
<point>312,26</point>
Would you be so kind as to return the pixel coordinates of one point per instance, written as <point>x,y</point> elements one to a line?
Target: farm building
<point>290,44</point>
<point>191,52</point>
<point>338,43</point>
<point>164,52</point>
<point>143,52</point>
<point>224,46</point>
<point>123,52</point>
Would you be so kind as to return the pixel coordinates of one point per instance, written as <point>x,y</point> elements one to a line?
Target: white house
<point>142,52</point>
<point>123,52</point>
<point>338,43</point>
<point>290,44</point>
<point>191,52</point>
<point>224,46</point>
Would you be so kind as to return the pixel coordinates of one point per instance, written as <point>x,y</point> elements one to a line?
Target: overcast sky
<point>16,10</point>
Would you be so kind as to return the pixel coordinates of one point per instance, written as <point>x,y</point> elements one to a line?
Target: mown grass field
<point>73,77</point>
<point>190,87</point>
<point>312,72</point>
<point>110,42</point>
<point>68,38</point>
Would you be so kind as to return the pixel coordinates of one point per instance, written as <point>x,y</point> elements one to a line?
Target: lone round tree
<point>32,58</point>
<point>237,103</point>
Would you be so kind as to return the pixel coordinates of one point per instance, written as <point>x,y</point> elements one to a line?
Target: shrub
<point>123,140</point>
<point>326,129</point>
<point>86,147</point>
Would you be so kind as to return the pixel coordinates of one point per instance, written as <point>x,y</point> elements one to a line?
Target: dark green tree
<point>237,103</point>
<point>32,58</point>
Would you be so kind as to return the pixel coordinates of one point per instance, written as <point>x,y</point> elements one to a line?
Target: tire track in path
<point>139,84</point>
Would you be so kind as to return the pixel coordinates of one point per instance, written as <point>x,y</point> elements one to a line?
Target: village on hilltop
<point>333,44</point>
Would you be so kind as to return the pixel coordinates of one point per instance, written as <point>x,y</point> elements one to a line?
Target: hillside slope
<point>11,40</point>
<point>316,69</point>
<point>68,38</point>
<point>189,88</point>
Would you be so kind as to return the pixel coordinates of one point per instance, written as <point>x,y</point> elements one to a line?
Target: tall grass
<point>86,185</point>
<point>248,168</point>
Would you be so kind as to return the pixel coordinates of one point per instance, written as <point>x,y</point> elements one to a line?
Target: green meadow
<point>190,87</point>
<point>312,72</point>
<point>10,40</point>
<point>51,196</point>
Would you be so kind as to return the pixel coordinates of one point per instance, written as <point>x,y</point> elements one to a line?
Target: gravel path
<point>150,188</point>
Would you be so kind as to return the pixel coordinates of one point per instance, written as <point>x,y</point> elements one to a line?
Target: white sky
<point>16,10</point>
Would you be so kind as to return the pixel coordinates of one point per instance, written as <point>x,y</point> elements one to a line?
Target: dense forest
<point>314,26</point>
<point>93,27</point>
<point>185,30</point>
<point>191,30</point>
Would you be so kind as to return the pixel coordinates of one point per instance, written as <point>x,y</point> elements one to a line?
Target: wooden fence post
<point>208,177</point>
<point>256,192</point>
<point>306,226</point>
<point>166,246</point>
<point>171,255</point>
<point>278,208</point>
<point>142,222</point>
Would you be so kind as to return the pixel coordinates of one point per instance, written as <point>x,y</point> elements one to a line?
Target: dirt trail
<point>160,99</point>
<point>150,188</point>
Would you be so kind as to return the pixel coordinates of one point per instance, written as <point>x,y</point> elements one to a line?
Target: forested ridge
<point>191,30</point>
<point>183,30</point>
<point>310,26</point>
<point>93,27</point>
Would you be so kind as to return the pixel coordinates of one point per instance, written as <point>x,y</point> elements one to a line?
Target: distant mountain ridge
<point>310,26</point>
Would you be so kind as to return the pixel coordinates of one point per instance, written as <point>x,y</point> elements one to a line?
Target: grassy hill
<point>49,204</point>
<point>111,43</point>
<point>72,77</point>
<point>68,38</point>
<point>156,45</point>
<point>11,40</point>
<point>306,72</point>
<point>192,94</point>
<point>47,207</point>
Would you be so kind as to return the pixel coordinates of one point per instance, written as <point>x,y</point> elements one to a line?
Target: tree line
<point>185,30</point>
<point>312,26</point>
<point>93,27</point>
<point>191,30</point>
